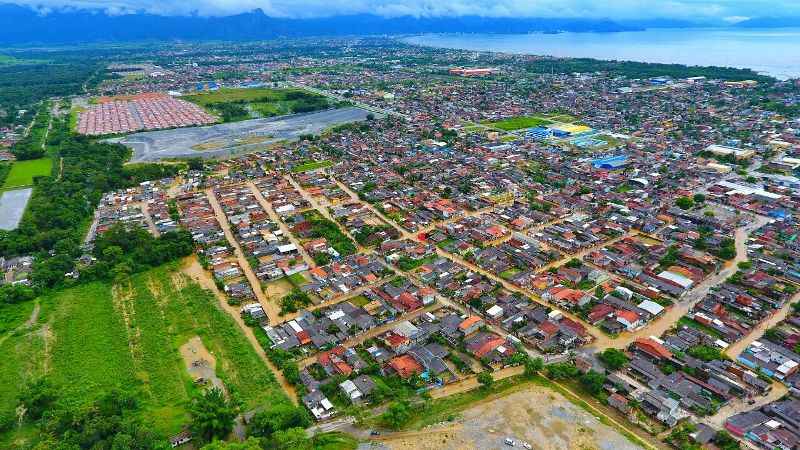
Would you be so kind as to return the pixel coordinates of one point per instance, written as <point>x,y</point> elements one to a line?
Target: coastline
<point>764,51</point>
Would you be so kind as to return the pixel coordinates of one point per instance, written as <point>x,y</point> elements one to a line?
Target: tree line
<point>61,209</point>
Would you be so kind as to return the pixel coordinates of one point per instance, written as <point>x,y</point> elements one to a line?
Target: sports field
<point>95,337</point>
<point>23,172</point>
<point>518,123</point>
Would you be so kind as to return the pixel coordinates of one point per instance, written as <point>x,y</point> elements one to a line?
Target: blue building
<point>539,133</point>
<point>611,163</point>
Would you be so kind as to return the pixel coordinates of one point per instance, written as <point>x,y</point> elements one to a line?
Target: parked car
<point>509,442</point>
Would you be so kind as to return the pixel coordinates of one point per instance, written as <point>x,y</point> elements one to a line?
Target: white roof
<point>406,329</point>
<point>773,424</point>
<point>651,307</point>
<point>287,248</point>
<point>681,280</point>
<point>747,190</point>
<point>337,314</point>
<point>348,386</point>
<point>284,208</point>
<point>295,326</point>
<point>326,403</point>
<point>494,311</point>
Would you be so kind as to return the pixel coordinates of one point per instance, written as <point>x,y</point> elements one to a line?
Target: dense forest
<point>632,69</point>
<point>22,86</point>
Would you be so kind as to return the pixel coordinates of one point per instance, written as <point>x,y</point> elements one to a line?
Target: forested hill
<point>21,25</point>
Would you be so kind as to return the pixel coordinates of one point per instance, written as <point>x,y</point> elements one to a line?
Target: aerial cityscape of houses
<point>484,215</point>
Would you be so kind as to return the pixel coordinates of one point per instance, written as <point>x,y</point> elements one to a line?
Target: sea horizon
<point>771,52</point>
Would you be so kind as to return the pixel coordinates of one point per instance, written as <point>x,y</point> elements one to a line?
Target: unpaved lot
<point>228,139</point>
<point>538,416</point>
<point>200,362</point>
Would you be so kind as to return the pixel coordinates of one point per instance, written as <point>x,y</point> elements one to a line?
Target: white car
<point>527,446</point>
<point>509,442</point>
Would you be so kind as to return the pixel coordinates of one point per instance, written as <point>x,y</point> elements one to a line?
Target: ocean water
<point>774,52</point>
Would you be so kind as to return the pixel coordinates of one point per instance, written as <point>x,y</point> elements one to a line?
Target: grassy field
<point>311,165</point>
<point>5,168</point>
<point>518,123</point>
<point>242,104</point>
<point>96,337</point>
<point>297,279</point>
<point>23,172</point>
<point>13,315</point>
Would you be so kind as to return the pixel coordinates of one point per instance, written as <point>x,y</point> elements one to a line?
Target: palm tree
<point>212,415</point>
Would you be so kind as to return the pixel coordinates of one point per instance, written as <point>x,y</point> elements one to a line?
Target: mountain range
<point>22,25</point>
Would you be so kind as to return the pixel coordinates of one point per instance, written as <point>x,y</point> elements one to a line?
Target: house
<point>629,319</point>
<point>181,438</point>
<point>704,434</point>
<point>567,298</point>
<point>619,402</point>
<point>742,423</point>
<point>651,349</point>
<point>665,409</point>
<point>494,312</point>
<point>358,389</point>
<point>470,325</point>
<point>319,405</point>
<point>427,295</point>
<point>405,366</point>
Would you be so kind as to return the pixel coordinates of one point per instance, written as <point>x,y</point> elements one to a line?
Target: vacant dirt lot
<point>538,416</point>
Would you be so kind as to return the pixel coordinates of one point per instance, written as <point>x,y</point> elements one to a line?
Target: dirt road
<point>372,333</point>
<point>273,216</point>
<point>271,308</point>
<point>193,269</point>
<point>471,382</point>
<point>687,302</point>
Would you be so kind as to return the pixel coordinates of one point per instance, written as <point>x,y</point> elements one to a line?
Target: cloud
<point>730,10</point>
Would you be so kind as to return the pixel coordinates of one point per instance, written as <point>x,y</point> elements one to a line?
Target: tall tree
<point>212,415</point>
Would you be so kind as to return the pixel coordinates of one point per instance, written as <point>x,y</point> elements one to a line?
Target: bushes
<point>107,423</point>
<point>137,173</point>
<point>212,415</point>
<point>292,301</point>
<point>593,382</point>
<point>561,371</point>
<point>277,418</point>
<point>705,353</point>
<point>397,414</point>
<point>123,250</point>
<point>485,379</point>
<point>322,227</point>
<point>726,250</point>
<point>684,203</point>
<point>613,359</point>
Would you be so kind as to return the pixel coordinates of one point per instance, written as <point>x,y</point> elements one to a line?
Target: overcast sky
<point>727,10</point>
